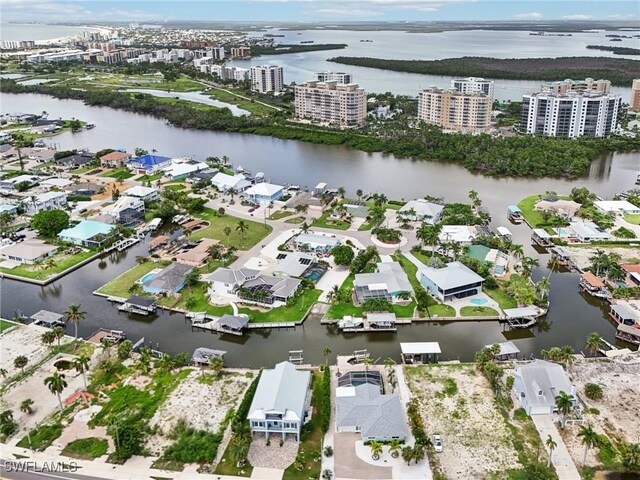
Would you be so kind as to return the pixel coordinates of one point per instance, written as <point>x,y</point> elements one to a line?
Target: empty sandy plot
<point>580,255</point>
<point>458,403</point>
<point>202,405</point>
<point>619,379</point>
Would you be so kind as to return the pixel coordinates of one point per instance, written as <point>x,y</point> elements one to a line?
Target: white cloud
<point>577,17</point>
<point>67,10</point>
<point>528,16</point>
<point>347,12</point>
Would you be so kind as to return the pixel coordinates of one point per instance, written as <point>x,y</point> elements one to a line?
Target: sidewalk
<point>562,461</point>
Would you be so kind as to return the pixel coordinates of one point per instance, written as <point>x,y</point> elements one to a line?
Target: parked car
<point>437,443</point>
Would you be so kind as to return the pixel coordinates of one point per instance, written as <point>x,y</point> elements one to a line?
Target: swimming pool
<point>147,276</point>
<point>479,301</point>
<point>315,272</point>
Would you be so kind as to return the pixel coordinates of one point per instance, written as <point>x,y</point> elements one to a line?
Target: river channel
<point>571,318</point>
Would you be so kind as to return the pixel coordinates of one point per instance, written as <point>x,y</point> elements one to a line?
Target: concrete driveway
<point>348,465</point>
<point>562,461</point>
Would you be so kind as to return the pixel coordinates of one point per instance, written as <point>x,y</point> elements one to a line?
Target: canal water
<point>571,317</point>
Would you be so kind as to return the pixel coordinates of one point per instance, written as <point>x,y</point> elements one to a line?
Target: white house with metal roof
<point>364,409</point>
<point>315,242</point>
<point>263,192</point>
<point>455,280</point>
<point>225,182</point>
<point>462,234</point>
<point>387,283</point>
<point>281,401</point>
<point>620,207</point>
<point>586,232</point>
<point>537,384</point>
<point>44,202</point>
<point>144,193</point>
<point>422,210</point>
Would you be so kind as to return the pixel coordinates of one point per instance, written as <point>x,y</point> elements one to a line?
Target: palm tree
<point>341,191</point>
<point>48,337</point>
<point>242,227</point>
<point>56,384</point>
<point>376,449</point>
<point>20,362</point>
<point>590,439</point>
<point>144,360</point>
<point>564,404</point>
<point>239,449</point>
<point>106,345</point>
<point>359,193</point>
<point>528,263</point>
<point>475,199</point>
<point>59,333</point>
<point>429,235</point>
<point>326,351</point>
<point>74,315</point>
<point>594,340</point>
<point>50,263</point>
<point>165,363</point>
<point>216,365</point>
<point>599,260</point>
<point>304,228</point>
<point>543,287</point>
<point>81,364</point>
<point>227,233</point>
<point>407,454</point>
<point>334,293</point>
<point>366,362</point>
<point>26,406</point>
<point>394,448</point>
<point>418,452</point>
<point>517,250</point>
<point>551,445</point>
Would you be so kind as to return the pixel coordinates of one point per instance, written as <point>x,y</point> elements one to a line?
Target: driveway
<point>562,461</point>
<point>348,465</point>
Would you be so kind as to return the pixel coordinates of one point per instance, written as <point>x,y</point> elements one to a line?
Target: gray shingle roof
<point>377,415</point>
<point>280,287</point>
<point>232,322</point>
<point>169,278</point>
<point>231,275</point>
<point>282,389</point>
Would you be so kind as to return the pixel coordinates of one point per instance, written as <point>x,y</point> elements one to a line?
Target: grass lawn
<point>310,439</point>
<point>85,169</point>
<point>181,84</point>
<point>280,214</point>
<point>4,325</point>
<point>295,220</point>
<point>326,222</point>
<point>174,186</point>
<point>504,300</point>
<point>119,173</point>
<point>635,219</point>
<point>228,97</point>
<point>442,310</point>
<point>252,236</point>
<point>289,313</point>
<point>479,311</point>
<point>532,216</point>
<point>41,437</point>
<point>86,448</point>
<point>63,262</point>
<point>151,178</point>
<point>365,226</point>
<point>119,286</point>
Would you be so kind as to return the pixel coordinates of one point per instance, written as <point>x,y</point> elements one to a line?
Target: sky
<point>315,10</point>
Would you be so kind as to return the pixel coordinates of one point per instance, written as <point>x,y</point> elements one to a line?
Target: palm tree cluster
<point>607,264</point>
<point>559,354</point>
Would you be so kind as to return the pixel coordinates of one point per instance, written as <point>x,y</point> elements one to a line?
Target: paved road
<point>18,470</point>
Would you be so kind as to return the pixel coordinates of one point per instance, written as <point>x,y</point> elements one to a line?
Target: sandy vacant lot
<point>458,403</point>
<point>202,405</point>
<point>23,340</point>
<point>581,255</point>
<point>620,382</point>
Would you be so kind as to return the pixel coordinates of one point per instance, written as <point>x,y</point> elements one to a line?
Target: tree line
<point>619,71</point>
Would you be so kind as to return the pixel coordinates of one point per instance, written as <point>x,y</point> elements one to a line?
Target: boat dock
<point>123,244</point>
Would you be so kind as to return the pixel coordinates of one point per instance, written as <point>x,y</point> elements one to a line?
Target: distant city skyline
<point>315,10</point>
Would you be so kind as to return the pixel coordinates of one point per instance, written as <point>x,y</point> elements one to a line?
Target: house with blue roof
<point>87,233</point>
<point>148,164</point>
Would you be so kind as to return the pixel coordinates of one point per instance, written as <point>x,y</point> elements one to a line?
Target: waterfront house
<point>114,159</point>
<point>281,401</point>
<point>146,194</point>
<point>386,283</point>
<point>263,192</point>
<point>180,170</point>
<point>462,234</point>
<point>455,280</point>
<point>197,255</point>
<point>309,242</point>
<point>251,286</point>
<point>225,182</point>
<point>44,202</point>
<point>126,210</point>
<point>422,210</point>
<point>537,384</point>
<point>29,252</point>
<point>539,236</point>
<point>76,160</point>
<point>55,183</point>
<point>585,232</point>
<point>169,280</point>
<point>87,233</point>
<point>593,285</point>
<point>624,315</point>
<point>619,207</point>
<point>10,183</point>
<point>148,164</point>
<point>364,409</point>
